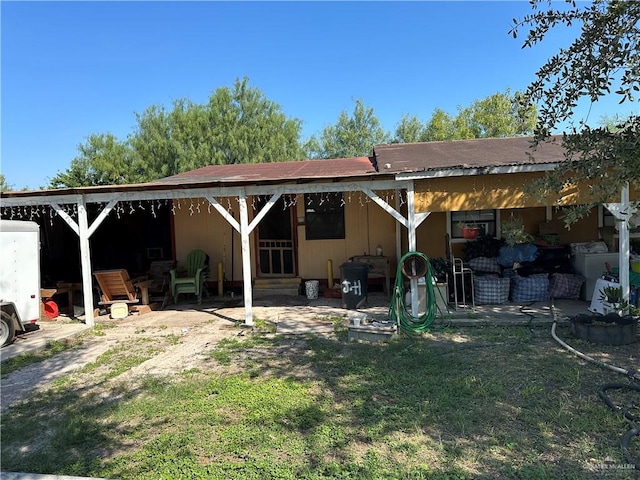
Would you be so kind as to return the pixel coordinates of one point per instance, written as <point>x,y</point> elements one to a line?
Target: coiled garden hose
<point>634,431</point>
<point>432,316</point>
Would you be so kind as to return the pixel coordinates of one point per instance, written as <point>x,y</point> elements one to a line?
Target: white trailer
<point>19,278</point>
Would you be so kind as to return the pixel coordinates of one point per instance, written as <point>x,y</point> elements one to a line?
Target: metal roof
<point>465,154</point>
<point>233,176</point>
<point>276,172</point>
<point>388,161</point>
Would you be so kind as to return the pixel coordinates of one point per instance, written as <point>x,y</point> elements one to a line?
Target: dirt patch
<point>168,343</point>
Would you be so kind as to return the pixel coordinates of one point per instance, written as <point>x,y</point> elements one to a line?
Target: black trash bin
<point>354,277</point>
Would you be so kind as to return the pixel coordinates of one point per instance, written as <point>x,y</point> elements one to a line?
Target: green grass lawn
<point>465,403</point>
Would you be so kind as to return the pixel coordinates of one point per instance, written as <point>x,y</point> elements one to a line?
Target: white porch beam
<point>66,217</point>
<point>246,261</point>
<point>223,211</point>
<point>171,193</point>
<point>272,201</point>
<point>421,217</point>
<point>385,206</point>
<point>103,214</point>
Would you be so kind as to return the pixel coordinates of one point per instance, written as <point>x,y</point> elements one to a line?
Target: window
<point>324,216</point>
<point>485,219</point>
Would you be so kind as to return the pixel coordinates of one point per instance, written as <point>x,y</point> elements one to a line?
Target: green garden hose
<point>432,317</point>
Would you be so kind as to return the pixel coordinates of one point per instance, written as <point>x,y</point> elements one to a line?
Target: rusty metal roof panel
<point>266,172</point>
<point>475,153</point>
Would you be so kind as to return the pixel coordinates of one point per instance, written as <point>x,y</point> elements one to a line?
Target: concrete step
<point>289,286</point>
<point>264,292</point>
<point>277,282</point>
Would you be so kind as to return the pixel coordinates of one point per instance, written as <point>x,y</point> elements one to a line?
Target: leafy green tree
<point>410,130</point>
<point>441,126</point>
<point>603,57</point>
<point>237,125</point>
<point>352,135</point>
<point>498,115</point>
<point>4,186</point>
<point>101,160</point>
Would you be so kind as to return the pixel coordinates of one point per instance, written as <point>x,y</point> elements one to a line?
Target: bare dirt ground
<point>182,337</point>
<point>174,341</point>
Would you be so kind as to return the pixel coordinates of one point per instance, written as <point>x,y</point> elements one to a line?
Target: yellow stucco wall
<point>431,233</point>
<point>486,192</point>
<point>210,232</point>
<point>367,226</point>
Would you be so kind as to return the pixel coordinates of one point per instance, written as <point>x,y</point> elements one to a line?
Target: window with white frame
<point>485,219</point>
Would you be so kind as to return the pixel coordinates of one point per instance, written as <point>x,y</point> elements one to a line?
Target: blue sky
<point>72,69</point>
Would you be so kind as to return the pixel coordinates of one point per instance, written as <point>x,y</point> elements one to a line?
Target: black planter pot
<point>620,331</point>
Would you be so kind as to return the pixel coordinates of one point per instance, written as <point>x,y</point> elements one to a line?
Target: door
<point>276,240</point>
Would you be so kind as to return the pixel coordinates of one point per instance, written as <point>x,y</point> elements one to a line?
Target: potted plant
<point>513,232</point>
<point>610,329</point>
<point>469,230</point>
<point>610,294</point>
<point>440,268</point>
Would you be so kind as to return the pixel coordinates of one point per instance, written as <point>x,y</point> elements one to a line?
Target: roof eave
<point>459,172</point>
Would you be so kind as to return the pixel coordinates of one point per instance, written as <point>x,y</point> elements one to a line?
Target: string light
<point>289,200</point>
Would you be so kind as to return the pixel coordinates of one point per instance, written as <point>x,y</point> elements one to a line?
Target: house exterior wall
<point>367,225</point>
<point>210,232</point>
<point>486,191</point>
<point>431,233</point>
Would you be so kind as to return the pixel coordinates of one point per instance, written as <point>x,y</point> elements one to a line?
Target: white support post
<point>398,231</point>
<point>246,260</point>
<point>623,212</point>
<point>411,224</point>
<point>85,259</point>
<point>411,217</point>
<point>624,247</point>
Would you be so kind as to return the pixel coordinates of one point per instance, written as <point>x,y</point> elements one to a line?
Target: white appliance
<point>591,266</point>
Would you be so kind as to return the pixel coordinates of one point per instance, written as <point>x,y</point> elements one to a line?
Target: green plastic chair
<point>193,282</point>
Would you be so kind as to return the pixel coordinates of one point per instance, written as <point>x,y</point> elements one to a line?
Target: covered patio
<point>409,182</point>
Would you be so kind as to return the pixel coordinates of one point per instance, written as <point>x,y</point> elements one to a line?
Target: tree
<point>102,160</point>
<point>409,130</point>
<point>498,115</point>
<point>4,186</point>
<point>351,136</point>
<point>237,125</point>
<point>603,57</point>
